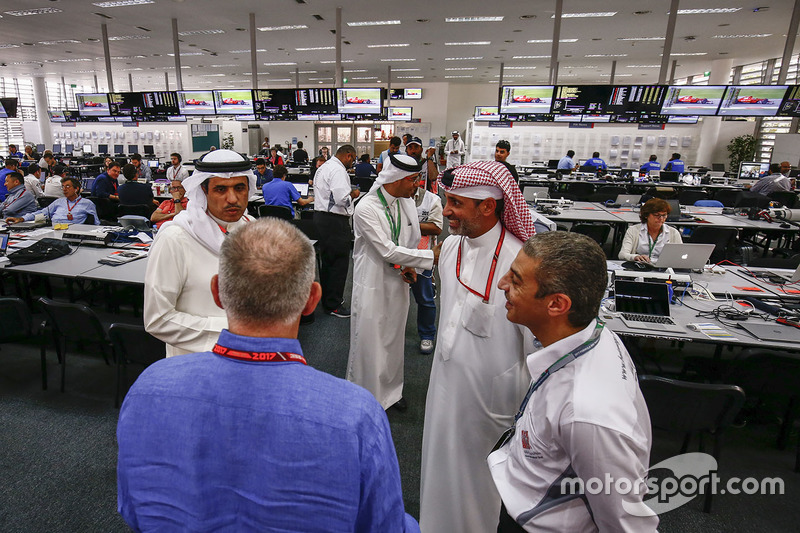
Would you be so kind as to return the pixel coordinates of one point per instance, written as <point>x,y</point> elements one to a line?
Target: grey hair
<point>571,264</point>
<point>266,269</point>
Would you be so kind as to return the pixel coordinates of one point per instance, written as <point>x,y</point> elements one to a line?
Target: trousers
<point>422,289</point>
<point>335,238</point>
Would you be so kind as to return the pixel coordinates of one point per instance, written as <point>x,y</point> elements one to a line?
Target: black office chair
<point>142,210</point>
<point>788,199</point>
<point>727,197</point>
<point>751,199</point>
<point>44,201</point>
<point>598,232</point>
<point>692,408</point>
<point>607,192</point>
<point>581,189</point>
<point>106,209</point>
<point>723,240</point>
<point>73,323</point>
<point>277,211</point>
<point>19,327</point>
<point>133,345</point>
<point>690,197</point>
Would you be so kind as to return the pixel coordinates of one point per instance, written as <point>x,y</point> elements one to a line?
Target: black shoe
<point>342,312</point>
<point>401,405</point>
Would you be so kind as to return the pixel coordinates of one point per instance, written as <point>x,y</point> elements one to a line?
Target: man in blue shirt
<point>71,209</point>
<point>394,148</point>
<point>279,192</point>
<point>263,174</point>
<point>105,185</point>
<point>10,166</point>
<point>247,436</point>
<point>566,162</point>
<point>143,172</point>
<point>14,152</point>
<point>651,165</point>
<point>19,201</point>
<point>596,162</point>
<point>675,164</point>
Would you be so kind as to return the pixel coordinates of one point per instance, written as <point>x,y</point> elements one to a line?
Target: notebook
<point>628,200</point>
<point>688,256</point>
<point>772,331</point>
<point>788,278</point>
<point>644,305</point>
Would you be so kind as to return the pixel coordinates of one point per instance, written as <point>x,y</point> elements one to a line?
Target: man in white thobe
<point>178,306</point>
<point>454,148</point>
<point>385,255</point>
<point>479,375</point>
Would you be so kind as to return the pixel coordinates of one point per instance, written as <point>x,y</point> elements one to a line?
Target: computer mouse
<point>785,225</point>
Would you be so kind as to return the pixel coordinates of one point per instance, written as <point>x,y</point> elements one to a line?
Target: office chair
<point>44,201</point>
<point>13,311</point>
<point>690,197</point>
<point>581,189</point>
<point>692,408</point>
<point>73,323</point>
<point>106,210</point>
<point>723,240</point>
<point>132,345</point>
<point>277,211</point>
<point>598,232</point>
<point>607,192</point>
<point>787,198</point>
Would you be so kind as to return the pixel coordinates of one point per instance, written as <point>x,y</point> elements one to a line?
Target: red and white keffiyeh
<point>484,179</point>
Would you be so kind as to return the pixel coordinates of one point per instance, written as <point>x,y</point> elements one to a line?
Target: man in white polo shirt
<point>584,415</point>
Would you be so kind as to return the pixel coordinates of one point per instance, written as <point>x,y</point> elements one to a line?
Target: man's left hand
<point>409,275</point>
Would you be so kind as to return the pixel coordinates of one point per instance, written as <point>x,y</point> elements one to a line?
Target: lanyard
<point>395,229</point>
<point>261,357</point>
<point>552,369</point>
<point>69,209</point>
<point>490,279</point>
<point>9,204</point>
<point>652,243</point>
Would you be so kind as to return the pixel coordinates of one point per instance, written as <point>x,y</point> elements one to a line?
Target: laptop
<point>628,200</point>
<point>675,214</point>
<point>772,331</point>
<point>302,188</point>
<point>687,256</point>
<point>28,225</point>
<point>644,305</point>
<point>532,194</point>
<point>787,278</point>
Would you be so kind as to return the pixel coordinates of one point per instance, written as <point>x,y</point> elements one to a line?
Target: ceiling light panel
<point>128,37</point>
<point>331,61</point>
<point>716,10</point>
<point>314,48</point>
<point>246,51</point>
<point>474,19</point>
<point>62,41</point>
<point>531,57</point>
<point>586,15</point>
<point>462,68</point>
<point>518,68</point>
<point>410,77</point>
<point>29,12</point>
<point>606,55</point>
<point>373,23</point>
<point>538,41</point>
<point>469,43</point>
<point>286,64</point>
<point>283,28</point>
<point>396,45</point>
<point>640,38</point>
<point>187,54</point>
<point>404,69</point>
<point>200,32</point>
<point>398,60</point>
<point>453,77</point>
<point>743,36</point>
<point>476,58</point>
<point>123,3</point>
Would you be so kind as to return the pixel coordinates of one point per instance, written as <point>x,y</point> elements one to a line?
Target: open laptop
<point>28,225</point>
<point>771,331</point>
<point>628,200</point>
<point>794,277</point>
<point>687,256</point>
<point>644,305</point>
<point>532,194</point>
<point>302,188</point>
<point>675,214</point>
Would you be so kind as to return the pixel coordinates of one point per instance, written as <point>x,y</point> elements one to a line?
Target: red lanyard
<point>6,206</point>
<point>261,357</point>
<point>69,209</point>
<point>489,281</point>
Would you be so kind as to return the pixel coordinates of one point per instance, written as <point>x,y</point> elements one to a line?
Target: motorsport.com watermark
<point>691,475</point>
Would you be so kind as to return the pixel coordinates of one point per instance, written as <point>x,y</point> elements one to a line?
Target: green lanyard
<point>394,228</point>
<point>652,243</point>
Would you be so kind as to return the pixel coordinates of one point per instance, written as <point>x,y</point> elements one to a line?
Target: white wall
<point>461,102</point>
<point>172,136</point>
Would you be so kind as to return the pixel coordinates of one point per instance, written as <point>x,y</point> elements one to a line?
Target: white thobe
<point>478,381</point>
<point>178,306</point>
<point>453,160</point>
<point>380,296</point>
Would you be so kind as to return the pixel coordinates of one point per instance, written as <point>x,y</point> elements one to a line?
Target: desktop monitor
<point>119,149</point>
<point>668,175</point>
<point>359,101</point>
<point>400,113</point>
<point>412,93</point>
<point>93,104</point>
<point>233,102</point>
<point>69,148</point>
<point>133,149</point>
<point>752,170</point>
<point>87,148</point>
<point>752,100</point>
<point>102,149</point>
<point>552,164</point>
<point>40,148</point>
<point>486,114</point>
<point>718,167</point>
<point>152,163</point>
<point>196,102</point>
<point>692,99</point>
<point>56,116</point>
<point>57,148</point>
<point>148,149</point>
<point>8,108</point>
<point>526,99</point>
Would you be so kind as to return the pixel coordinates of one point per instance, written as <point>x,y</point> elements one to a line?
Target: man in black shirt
<point>501,151</point>
<point>133,192</point>
<point>300,156</point>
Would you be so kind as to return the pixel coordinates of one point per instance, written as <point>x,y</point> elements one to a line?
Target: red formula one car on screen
<point>693,100</point>
<point>231,101</point>
<point>752,100</point>
<point>92,104</point>
<point>528,99</point>
<point>192,101</point>
<point>356,100</point>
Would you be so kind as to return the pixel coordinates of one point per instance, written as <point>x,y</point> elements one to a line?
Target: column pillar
<point>709,132</point>
<point>42,118</point>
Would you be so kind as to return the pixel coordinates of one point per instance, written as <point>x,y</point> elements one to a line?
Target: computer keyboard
<point>653,319</point>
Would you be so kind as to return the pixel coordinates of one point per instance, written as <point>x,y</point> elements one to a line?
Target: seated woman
<point>644,242</point>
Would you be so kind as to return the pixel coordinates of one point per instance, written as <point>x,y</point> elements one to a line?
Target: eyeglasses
<point>179,188</point>
<point>659,215</point>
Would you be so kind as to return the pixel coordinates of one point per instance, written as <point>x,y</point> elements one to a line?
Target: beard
<point>466,227</point>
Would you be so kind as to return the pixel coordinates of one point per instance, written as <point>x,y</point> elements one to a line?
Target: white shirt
<point>453,160</point>
<point>477,382</point>
<point>636,242</point>
<point>177,173</point>
<point>429,209</point>
<point>587,420</point>
<point>380,296</point>
<point>33,186</point>
<point>332,188</point>
<point>52,187</point>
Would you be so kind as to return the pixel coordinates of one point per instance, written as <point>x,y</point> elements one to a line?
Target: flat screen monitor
<point>319,117</point>
<point>57,148</point>
<point>752,100</point>
<point>397,94</point>
<point>69,148</point>
<point>359,101</point>
<point>526,99</point>
<point>669,175</point>
<point>56,116</point>
<point>315,102</point>
<point>566,118</point>
<point>102,149</point>
<point>126,104</point>
<point>245,118</point>
<point>596,118</point>
<point>133,149</point>
<point>791,103</point>
<point>414,93</point>
<point>683,119</point>
<point>752,170</point>
<point>119,149</point>
<point>8,108</point>
<point>635,99</point>
<point>692,99</point>
<point>40,148</point>
<point>196,102</point>
<point>552,164</point>
<point>160,104</point>
<point>486,114</point>
<point>233,102</point>
<point>581,99</point>
<point>149,149</point>
<point>87,148</point>
<point>401,114</point>
<point>152,163</point>
<point>93,104</point>
<point>176,119</point>
<point>71,115</point>
<point>274,104</point>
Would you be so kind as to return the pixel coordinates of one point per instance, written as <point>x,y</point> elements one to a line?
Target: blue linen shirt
<point>596,162</point>
<point>675,165</point>
<point>104,186</point>
<point>59,210</point>
<point>650,165</point>
<point>565,163</point>
<point>208,443</point>
<point>18,202</point>
<point>279,192</point>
